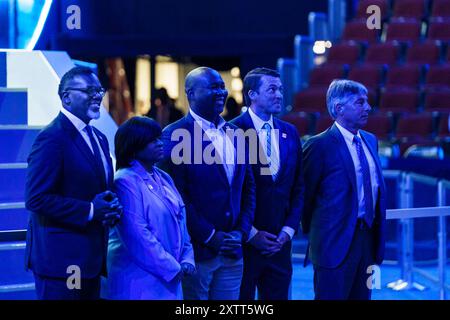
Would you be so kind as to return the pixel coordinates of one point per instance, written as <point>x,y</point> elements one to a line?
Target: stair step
<point>20,291</point>
<point>13,106</point>
<point>13,271</point>
<point>16,143</point>
<point>2,69</point>
<point>13,235</point>
<point>13,216</point>
<point>12,182</point>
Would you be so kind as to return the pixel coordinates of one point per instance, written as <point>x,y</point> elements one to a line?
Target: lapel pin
<point>284,135</point>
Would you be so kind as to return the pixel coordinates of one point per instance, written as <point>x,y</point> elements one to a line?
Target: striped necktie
<point>271,159</point>
<point>367,184</point>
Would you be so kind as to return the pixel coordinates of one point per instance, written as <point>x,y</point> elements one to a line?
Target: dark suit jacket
<point>331,198</point>
<point>278,203</point>
<point>61,182</point>
<point>211,203</point>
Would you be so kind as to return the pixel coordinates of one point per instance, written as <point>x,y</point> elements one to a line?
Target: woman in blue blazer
<point>149,251</point>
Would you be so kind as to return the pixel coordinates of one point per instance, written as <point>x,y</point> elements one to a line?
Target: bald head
<point>206,93</point>
<point>195,76</point>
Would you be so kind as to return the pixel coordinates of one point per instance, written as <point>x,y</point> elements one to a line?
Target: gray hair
<point>341,89</point>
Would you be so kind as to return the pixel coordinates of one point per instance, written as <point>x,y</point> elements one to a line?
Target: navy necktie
<point>367,184</point>
<point>97,156</point>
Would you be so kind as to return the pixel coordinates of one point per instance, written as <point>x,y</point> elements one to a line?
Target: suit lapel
<point>282,146</point>
<point>205,143</point>
<point>79,142</point>
<point>144,176</point>
<point>345,155</point>
<point>248,124</point>
<point>375,157</point>
<point>105,149</point>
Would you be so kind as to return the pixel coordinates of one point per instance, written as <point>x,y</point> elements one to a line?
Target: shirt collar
<point>348,136</point>
<point>205,124</point>
<point>78,124</point>
<point>258,122</point>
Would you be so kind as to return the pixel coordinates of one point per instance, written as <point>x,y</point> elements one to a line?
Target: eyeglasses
<point>90,91</point>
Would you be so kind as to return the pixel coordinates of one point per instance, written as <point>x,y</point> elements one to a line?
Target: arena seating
<point>405,67</point>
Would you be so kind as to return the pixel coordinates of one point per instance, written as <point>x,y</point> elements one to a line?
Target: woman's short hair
<point>133,136</point>
<point>341,89</point>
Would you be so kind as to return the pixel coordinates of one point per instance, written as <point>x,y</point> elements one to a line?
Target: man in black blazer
<point>344,212</point>
<point>69,175</point>
<point>279,191</point>
<point>219,192</point>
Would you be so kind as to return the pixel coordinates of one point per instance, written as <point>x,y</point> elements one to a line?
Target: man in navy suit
<point>344,212</point>
<point>279,200</point>
<point>218,192</point>
<point>69,175</point>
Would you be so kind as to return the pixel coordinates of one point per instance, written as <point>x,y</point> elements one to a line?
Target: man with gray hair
<point>344,214</point>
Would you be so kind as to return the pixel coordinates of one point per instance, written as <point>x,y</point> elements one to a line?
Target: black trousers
<point>271,276</point>
<point>349,280</point>
<point>56,289</point>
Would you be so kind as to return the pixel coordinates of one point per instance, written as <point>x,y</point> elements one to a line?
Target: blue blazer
<point>61,182</point>
<point>148,245</point>
<point>211,202</point>
<point>331,198</point>
<point>278,203</point>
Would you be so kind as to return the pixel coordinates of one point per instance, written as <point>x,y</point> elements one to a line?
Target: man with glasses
<point>68,185</point>
<point>219,196</point>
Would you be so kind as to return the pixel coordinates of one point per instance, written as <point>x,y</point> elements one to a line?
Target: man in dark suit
<point>69,173</point>
<point>279,200</point>
<point>218,192</point>
<point>344,212</point>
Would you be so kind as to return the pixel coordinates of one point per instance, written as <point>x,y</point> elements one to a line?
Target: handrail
<point>425,212</point>
<point>405,214</point>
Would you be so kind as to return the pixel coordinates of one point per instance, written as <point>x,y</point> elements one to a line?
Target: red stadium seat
<point>404,75</point>
<point>424,53</point>
<point>441,8</point>
<point>323,123</point>
<point>401,99</point>
<point>368,74</point>
<point>439,29</point>
<point>414,129</point>
<point>403,30</point>
<point>383,53</point>
<point>323,75</point>
<point>382,4</point>
<point>438,76</point>
<point>357,30</point>
<point>344,53</point>
<point>409,8</point>
<point>443,131</point>
<point>299,121</point>
<point>380,125</point>
<point>415,125</point>
<point>437,99</point>
<point>311,100</point>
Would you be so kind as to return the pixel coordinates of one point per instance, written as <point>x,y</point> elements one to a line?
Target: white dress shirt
<point>80,126</point>
<point>348,137</point>
<point>222,144</point>
<point>258,123</point>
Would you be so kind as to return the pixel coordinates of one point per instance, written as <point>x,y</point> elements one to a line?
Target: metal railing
<point>405,187</point>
